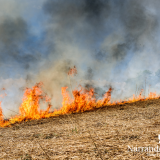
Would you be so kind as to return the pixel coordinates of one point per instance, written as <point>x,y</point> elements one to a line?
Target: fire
<point>30,106</point>
<point>1,114</point>
<point>72,71</point>
<point>82,100</point>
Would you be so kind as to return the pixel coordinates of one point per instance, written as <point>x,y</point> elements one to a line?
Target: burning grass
<point>82,100</point>
<point>104,133</point>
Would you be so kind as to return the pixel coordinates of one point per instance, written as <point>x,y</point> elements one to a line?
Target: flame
<point>82,100</point>
<point>30,106</point>
<point>3,95</point>
<point>1,114</point>
<point>72,71</point>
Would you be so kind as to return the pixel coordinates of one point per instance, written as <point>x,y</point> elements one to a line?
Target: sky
<point>111,42</point>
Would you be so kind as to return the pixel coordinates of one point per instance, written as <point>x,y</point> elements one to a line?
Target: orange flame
<point>72,71</point>
<point>83,100</point>
<point>1,114</point>
<point>30,106</point>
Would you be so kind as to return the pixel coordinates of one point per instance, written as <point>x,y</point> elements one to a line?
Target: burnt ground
<point>106,133</point>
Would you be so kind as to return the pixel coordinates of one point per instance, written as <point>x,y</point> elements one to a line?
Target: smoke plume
<point>111,38</point>
<point>111,42</point>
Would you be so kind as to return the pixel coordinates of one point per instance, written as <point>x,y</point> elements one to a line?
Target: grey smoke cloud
<point>17,44</point>
<point>106,39</point>
<point>84,19</point>
<point>112,35</point>
<point>13,31</point>
<point>89,22</point>
<point>17,54</point>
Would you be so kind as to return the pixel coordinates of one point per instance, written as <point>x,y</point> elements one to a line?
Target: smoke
<point>17,44</point>
<point>17,53</point>
<point>111,42</point>
<point>13,34</point>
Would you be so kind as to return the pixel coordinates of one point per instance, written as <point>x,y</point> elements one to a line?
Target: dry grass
<point>101,134</point>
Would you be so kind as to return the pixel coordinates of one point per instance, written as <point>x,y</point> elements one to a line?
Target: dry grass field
<point>105,133</point>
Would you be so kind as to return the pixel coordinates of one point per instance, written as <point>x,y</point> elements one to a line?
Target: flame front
<point>1,114</point>
<point>83,100</point>
<point>72,71</point>
<point>30,106</point>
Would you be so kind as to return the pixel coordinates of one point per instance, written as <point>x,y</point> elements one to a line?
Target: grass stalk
<point>44,151</point>
<point>95,145</point>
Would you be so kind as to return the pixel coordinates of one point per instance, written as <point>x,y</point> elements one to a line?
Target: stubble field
<point>105,133</point>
